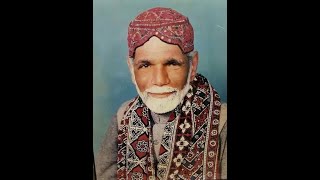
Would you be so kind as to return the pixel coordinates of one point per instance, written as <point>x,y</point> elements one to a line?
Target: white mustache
<point>164,89</point>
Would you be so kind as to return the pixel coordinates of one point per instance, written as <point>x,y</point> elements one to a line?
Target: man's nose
<point>160,76</point>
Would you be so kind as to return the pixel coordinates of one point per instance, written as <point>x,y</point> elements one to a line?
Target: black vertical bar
<point>94,169</point>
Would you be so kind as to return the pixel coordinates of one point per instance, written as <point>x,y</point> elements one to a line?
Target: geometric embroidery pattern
<point>189,145</point>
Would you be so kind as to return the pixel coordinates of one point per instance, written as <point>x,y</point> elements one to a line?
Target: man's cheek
<point>141,87</point>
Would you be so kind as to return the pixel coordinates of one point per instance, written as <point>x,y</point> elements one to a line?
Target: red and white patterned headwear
<point>167,24</point>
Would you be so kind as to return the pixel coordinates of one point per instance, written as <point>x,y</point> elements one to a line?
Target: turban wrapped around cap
<point>167,24</point>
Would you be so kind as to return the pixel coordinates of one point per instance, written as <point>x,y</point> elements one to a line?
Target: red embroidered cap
<point>167,24</point>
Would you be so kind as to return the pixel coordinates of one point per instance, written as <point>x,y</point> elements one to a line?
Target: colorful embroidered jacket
<point>193,144</point>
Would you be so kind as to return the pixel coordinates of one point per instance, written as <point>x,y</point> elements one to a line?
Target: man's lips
<point>161,95</point>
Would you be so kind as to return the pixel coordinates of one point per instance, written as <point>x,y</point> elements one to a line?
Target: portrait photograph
<point>160,89</point>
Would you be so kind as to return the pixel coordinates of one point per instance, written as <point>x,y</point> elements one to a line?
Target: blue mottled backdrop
<point>111,79</point>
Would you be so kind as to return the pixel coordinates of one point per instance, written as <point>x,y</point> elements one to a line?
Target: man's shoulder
<point>122,109</point>
<point>224,109</point>
<point>223,116</point>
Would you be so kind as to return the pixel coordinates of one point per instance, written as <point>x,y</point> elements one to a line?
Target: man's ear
<point>129,63</point>
<point>194,64</point>
<point>130,66</point>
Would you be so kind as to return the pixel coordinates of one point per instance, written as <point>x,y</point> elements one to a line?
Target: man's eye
<point>143,66</point>
<point>174,63</point>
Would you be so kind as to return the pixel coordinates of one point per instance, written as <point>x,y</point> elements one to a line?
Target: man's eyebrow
<point>175,61</point>
<point>142,61</point>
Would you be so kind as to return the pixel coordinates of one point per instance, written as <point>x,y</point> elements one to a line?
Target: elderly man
<point>176,127</point>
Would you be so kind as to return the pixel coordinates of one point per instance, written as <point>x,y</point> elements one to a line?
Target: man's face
<point>161,73</point>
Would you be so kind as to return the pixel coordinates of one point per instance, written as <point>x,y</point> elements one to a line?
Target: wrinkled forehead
<point>154,46</point>
<point>156,50</point>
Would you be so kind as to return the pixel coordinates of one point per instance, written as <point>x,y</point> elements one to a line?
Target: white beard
<point>166,104</point>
